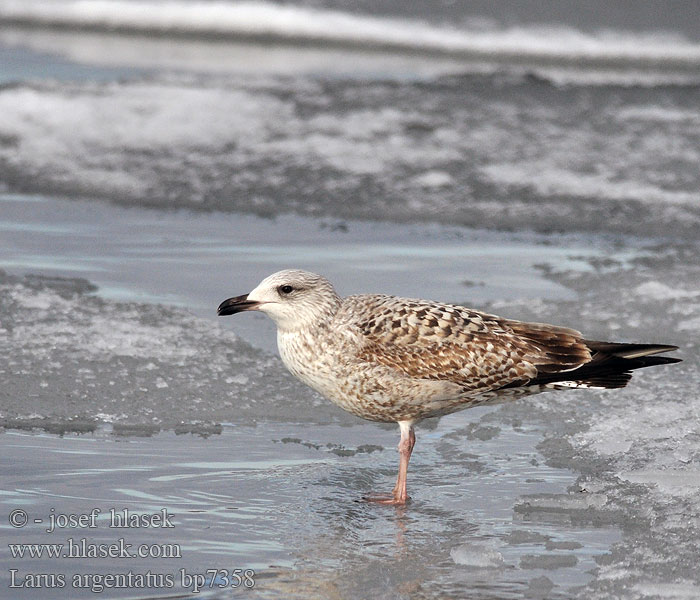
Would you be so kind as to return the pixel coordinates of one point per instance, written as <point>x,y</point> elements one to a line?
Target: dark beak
<point>236,305</point>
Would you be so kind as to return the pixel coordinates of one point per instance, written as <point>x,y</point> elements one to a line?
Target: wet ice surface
<point>470,145</point>
<point>555,496</point>
<point>195,259</point>
<point>290,508</point>
<point>637,450</point>
<point>364,151</point>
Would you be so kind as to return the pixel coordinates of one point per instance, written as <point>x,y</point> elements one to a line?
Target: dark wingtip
<point>631,351</point>
<point>650,361</point>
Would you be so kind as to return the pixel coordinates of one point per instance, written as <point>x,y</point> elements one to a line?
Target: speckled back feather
<point>476,350</point>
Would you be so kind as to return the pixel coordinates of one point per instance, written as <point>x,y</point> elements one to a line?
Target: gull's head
<point>291,298</point>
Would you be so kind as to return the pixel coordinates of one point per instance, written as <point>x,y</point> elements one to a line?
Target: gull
<point>392,359</point>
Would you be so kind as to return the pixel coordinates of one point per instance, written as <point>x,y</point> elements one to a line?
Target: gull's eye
<point>285,289</point>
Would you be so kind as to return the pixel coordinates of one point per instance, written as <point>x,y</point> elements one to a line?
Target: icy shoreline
<point>73,360</point>
<point>627,458</point>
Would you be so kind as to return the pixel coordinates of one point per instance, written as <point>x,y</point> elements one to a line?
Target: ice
<point>625,78</point>
<point>554,181</point>
<point>71,360</point>
<point>265,20</point>
<point>563,503</point>
<point>357,150</point>
<point>658,114</point>
<point>656,290</point>
<point>548,561</point>
<point>637,449</point>
<point>692,325</point>
<point>431,179</point>
<point>576,494</point>
<point>143,122</point>
<point>482,555</point>
<point>671,483</point>
<point>683,590</point>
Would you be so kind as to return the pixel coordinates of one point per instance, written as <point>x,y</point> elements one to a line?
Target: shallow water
<point>290,508</point>
<point>195,260</point>
<point>151,407</point>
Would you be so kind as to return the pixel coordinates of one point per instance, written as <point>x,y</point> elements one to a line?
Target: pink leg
<point>399,495</point>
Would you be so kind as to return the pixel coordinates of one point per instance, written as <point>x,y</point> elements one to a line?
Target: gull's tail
<point>611,365</point>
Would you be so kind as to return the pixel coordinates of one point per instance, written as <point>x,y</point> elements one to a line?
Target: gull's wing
<point>478,351</point>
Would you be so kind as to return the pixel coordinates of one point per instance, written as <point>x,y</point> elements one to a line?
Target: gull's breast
<point>330,365</point>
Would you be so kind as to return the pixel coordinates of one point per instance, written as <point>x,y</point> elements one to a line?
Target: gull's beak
<point>235,305</point>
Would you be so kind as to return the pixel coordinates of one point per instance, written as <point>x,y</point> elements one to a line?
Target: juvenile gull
<point>389,359</point>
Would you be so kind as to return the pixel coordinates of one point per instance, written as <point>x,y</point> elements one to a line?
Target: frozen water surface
<point>195,259</point>
<point>114,403</point>
<point>544,176</point>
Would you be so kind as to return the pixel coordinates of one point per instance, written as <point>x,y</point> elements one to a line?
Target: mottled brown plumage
<point>385,358</point>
